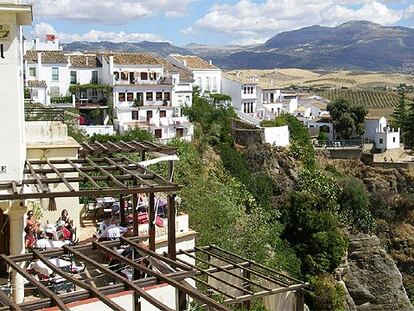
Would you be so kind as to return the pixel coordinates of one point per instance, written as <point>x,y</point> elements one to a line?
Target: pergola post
<point>172,247</point>
<point>17,246</point>
<point>151,223</point>
<point>122,210</point>
<point>135,213</point>
<point>300,300</point>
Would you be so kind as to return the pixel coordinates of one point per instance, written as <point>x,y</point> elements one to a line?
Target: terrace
<point>125,273</point>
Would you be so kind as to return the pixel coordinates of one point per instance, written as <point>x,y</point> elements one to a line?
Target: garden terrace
<point>133,146</point>
<point>256,281</point>
<point>44,114</point>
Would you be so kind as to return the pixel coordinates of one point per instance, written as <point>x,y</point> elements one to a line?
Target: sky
<point>211,22</point>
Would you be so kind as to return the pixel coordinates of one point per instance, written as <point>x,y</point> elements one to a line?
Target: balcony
<point>147,105</point>
<point>160,81</point>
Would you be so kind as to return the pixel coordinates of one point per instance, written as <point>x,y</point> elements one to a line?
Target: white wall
<point>277,136</point>
<point>234,89</point>
<point>84,75</point>
<point>374,126</point>
<point>387,140</point>
<point>208,80</point>
<point>12,135</point>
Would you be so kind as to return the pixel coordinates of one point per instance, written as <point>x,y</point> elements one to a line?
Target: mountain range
<point>355,45</point>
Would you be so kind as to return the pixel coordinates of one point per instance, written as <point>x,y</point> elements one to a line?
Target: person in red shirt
<point>30,239</point>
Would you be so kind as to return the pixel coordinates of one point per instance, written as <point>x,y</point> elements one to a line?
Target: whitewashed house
<point>50,68</point>
<point>381,134</point>
<point>51,43</point>
<point>243,94</point>
<point>207,77</point>
<point>142,96</point>
<point>273,102</point>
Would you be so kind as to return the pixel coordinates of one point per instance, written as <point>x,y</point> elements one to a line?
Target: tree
<point>409,125</point>
<point>400,113</point>
<point>348,118</point>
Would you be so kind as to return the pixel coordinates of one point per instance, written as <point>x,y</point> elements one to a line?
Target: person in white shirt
<point>113,231</point>
<point>105,223</point>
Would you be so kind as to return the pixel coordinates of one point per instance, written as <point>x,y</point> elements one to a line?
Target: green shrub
<point>354,206</point>
<point>326,294</point>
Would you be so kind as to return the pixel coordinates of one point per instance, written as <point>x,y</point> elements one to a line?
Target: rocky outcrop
<point>372,278</point>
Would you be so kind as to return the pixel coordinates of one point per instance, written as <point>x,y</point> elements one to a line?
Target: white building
<point>243,95</point>
<point>51,43</point>
<point>48,68</point>
<point>143,93</point>
<point>378,131</point>
<point>273,102</point>
<point>207,77</point>
<point>277,136</point>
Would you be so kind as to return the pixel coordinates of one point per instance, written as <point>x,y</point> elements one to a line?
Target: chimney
<point>184,62</point>
<point>210,62</point>
<point>39,58</point>
<point>87,60</point>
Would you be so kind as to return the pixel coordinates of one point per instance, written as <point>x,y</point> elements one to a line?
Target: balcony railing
<point>44,114</point>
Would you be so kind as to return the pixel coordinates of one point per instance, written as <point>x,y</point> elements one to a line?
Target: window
<point>54,91</point>
<point>167,96</point>
<point>149,114</point>
<point>121,97</point>
<point>140,98</point>
<point>116,74</point>
<point>381,141</point>
<point>158,133</point>
<point>94,79</point>
<point>73,79</point>
<point>248,107</point>
<point>158,96</point>
<point>153,76</point>
<point>55,74</point>
<point>32,71</point>
<point>214,84</point>
<point>163,113</point>
<point>208,83</point>
<point>95,94</point>
<point>179,132</point>
<point>135,115</point>
<point>393,139</point>
<point>144,76</point>
<point>149,96</point>
<point>130,96</point>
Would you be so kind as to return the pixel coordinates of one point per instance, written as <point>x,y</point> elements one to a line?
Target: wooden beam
<point>9,302</point>
<point>106,173</point>
<point>64,180</point>
<point>93,291</point>
<point>87,177</point>
<point>259,274</point>
<point>125,170</point>
<point>172,244</point>
<point>142,293</point>
<point>151,221</point>
<point>222,270</point>
<point>36,177</point>
<point>36,283</point>
<point>258,265</point>
<point>186,288</point>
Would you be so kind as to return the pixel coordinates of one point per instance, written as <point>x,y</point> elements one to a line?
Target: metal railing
<point>44,114</point>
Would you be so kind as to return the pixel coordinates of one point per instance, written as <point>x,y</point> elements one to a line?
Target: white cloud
<point>252,22</point>
<point>108,11</point>
<point>41,29</point>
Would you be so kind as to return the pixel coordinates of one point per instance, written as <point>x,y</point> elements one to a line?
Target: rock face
<point>372,278</point>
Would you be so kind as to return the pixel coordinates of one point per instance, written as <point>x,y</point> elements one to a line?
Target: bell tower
<point>13,15</point>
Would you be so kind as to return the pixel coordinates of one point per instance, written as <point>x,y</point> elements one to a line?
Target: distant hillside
<point>354,45</point>
<point>159,48</point>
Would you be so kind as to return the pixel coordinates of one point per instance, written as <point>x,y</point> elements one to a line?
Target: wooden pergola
<point>104,171</point>
<point>211,262</point>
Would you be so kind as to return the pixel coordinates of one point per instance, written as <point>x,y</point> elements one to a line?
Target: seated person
<point>113,231</point>
<point>105,223</point>
<point>64,220</point>
<point>29,239</point>
<point>32,222</point>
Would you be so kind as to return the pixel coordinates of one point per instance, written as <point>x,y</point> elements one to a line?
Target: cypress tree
<point>400,115</point>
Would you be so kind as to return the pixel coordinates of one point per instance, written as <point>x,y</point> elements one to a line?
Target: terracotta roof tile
<point>48,57</point>
<point>194,62</point>
<point>135,59</point>
<point>84,61</point>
